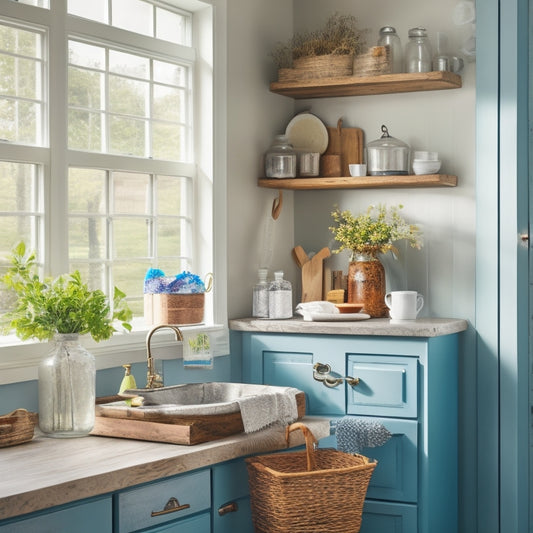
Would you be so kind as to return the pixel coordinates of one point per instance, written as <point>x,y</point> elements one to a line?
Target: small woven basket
<point>311,491</point>
<point>311,67</point>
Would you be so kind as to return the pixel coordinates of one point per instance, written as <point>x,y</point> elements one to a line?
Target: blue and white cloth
<point>355,433</point>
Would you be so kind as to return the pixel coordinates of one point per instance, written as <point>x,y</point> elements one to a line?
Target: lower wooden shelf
<point>363,182</point>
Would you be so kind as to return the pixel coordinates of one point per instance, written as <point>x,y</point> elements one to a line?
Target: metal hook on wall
<point>276,205</point>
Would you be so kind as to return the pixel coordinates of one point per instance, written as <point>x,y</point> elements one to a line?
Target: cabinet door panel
<point>387,386</point>
<point>199,524</point>
<point>296,370</point>
<point>385,517</point>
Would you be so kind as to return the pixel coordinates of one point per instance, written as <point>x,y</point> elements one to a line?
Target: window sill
<point>19,360</point>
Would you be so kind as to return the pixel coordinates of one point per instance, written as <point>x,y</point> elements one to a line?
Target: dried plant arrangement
<point>339,36</point>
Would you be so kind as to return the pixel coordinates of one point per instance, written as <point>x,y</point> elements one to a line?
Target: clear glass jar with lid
<point>389,37</point>
<point>280,159</point>
<point>418,51</point>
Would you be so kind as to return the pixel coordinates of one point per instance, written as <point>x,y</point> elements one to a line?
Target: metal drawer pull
<point>322,372</point>
<point>172,506</point>
<point>228,508</point>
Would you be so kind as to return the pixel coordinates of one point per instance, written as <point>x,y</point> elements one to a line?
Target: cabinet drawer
<point>87,517</point>
<point>141,507</point>
<point>387,386</point>
<point>199,524</point>
<point>385,517</point>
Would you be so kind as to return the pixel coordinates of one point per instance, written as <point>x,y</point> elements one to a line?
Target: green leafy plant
<point>374,231</point>
<point>339,36</point>
<point>61,305</point>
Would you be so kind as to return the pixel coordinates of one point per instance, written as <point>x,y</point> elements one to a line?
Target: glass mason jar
<point>280,159</point>
<point>418,51</point>
<point>388,36</point>
<point>67,389</point>
<point>367,284</point>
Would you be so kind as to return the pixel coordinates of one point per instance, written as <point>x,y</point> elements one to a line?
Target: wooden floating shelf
<point>359,86</point>
<point>364,182</point>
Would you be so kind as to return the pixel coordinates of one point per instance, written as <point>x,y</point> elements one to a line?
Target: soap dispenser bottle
<point>279,297</point>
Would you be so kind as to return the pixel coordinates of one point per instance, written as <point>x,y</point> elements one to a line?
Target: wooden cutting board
<point>348,142</point>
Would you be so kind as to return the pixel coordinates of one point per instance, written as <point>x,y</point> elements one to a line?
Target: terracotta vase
<point>366,285</point>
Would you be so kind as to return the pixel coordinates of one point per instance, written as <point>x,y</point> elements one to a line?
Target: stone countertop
<point>421,327</point>
<point>47,471</point>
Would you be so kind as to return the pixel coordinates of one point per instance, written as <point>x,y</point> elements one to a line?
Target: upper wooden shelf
<point>364,182</point>
<point>359,86</point>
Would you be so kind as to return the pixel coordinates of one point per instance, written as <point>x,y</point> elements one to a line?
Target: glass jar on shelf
<point>280,159</point>
<point>389,37</point>
<point>418,51</point>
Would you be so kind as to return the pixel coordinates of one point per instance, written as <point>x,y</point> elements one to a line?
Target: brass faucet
<point>153,379</point>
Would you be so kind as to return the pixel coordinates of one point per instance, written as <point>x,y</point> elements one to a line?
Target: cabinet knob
<point>231,507</point>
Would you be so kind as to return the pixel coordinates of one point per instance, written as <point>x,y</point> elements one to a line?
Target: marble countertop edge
<point>421,327</point>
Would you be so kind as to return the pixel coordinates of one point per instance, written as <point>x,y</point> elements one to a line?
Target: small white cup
<point>404,305</point>
<point>357,169</point>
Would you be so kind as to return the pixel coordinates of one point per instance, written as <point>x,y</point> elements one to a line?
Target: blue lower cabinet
<point>386,517</point>
<point>409,384</point>
<point>87,517</point>
<point>195,524</point>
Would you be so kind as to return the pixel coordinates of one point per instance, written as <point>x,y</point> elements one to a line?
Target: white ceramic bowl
<point>423,166</point>
<point>428,156</point>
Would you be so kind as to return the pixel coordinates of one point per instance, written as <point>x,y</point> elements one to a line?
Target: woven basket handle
<point>310,443</point>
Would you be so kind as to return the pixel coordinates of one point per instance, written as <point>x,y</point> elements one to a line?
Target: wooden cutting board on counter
<point>348,142</point>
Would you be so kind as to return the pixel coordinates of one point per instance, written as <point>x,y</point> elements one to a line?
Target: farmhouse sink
<point>199,412</point>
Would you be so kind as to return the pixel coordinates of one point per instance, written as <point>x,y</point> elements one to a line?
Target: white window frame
<point>19,360</point>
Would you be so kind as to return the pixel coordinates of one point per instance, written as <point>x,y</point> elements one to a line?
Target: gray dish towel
<point>355,433</point>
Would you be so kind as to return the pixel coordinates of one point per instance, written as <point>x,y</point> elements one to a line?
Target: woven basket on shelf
<point>324,66</point>
<point>311,491</point>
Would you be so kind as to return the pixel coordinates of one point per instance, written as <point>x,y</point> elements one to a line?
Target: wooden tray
<point>192,429</point>
<point>17,427</point>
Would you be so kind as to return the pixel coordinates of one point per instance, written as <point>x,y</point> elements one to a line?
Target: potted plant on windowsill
<point>366,236</point>
<point>60,310</point>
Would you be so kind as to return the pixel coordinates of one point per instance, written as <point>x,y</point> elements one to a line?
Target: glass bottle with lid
<point>388,36</point>
<point>279,297</point>
<point>260,295</point>
<point>280,159</point>
<point>418,51</point>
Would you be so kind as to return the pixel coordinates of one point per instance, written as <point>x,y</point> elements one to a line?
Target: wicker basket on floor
<point>311,491</point>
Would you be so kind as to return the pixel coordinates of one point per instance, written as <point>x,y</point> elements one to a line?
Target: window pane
<point>168,237</point>
<point>87,238</point>
<point>171,26</point>
<point>18,121</point>
<point>168,103</point>
<point>167,142</point>
<point>170,74</point>
<point>85,88</point>
<point>87,191</point>
<point>37,3</point>
<point>130,237</point>
<point>133,15</point>
<point>20,77</point>
<point>127,136</point>
<point>129,278</point>
<point>20,42</point>
<point>129,64</point>
<point>131,193</point>
<point>84,130</point>
<point>128,97</point>
<point>94,274</point>
<point>171,195</point>
<point>18,191</point>
<point>86,55</point>
<point>89,9</point>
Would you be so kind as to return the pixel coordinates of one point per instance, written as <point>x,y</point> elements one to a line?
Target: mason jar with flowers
<point>367,236</point>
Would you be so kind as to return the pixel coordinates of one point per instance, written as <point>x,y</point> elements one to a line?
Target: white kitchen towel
<point>307,309</point>
<point>275,406</point>
<point>355,433</point>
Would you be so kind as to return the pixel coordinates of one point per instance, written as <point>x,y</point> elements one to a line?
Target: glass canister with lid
<point>418,51</point>
<point>280,159</point>
<point>387,156</point>
<point>389,37</point>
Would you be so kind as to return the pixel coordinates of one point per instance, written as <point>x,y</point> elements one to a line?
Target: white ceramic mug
<point>357,169</point>
<point>404,305</point>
